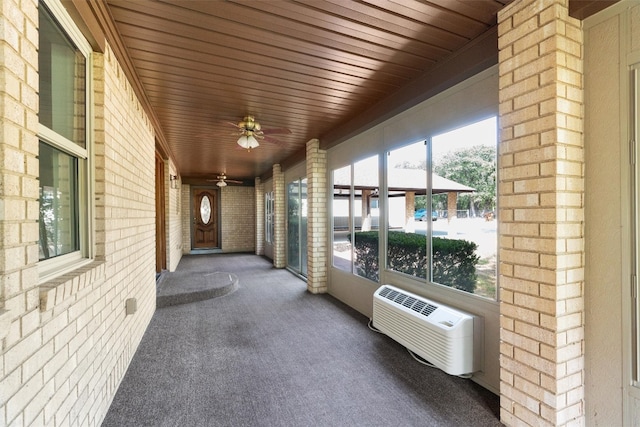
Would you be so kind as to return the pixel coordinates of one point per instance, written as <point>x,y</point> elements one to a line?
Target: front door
<point>205,218</point>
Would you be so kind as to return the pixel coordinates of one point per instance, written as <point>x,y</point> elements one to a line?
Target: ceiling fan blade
<point>234,181</point>
<point>276,131</point>
<point>235,125</point>
<point>271,140</point>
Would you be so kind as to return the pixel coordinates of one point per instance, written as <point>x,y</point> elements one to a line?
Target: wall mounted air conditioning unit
<point>441,335</point>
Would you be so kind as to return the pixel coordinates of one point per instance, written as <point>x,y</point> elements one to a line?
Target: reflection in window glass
<point>61,75</point>
<point>342,256</point>
<point>59,221</point>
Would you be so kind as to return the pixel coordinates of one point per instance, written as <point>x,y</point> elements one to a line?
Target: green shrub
<point>454,261</point>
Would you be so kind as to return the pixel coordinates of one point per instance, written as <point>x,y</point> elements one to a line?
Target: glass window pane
<point>297,226</point>
<point>465,242</point>
<point>342,257</point>
<point>268,216</point>
<point>59,221</point>
<point>62,73</point>
<point>205,210</point>
<point>407,207</point>
<point>293,226</point>
<point>366,218</point>
<point>303,227</point>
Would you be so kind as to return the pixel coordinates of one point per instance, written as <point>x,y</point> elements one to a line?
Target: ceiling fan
<point>251,131</point>
<point>222,180</point>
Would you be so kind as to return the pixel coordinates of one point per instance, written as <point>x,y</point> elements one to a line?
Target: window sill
<point>56,291</point>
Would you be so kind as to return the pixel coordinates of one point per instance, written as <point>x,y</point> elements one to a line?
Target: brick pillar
<point>317,236</point>
<point>279,217</point>
<point>259,186</point>
<point>541,195</point>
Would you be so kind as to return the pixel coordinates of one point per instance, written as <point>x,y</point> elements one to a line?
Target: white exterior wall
<point>612,43</point>
<point>173,218</point>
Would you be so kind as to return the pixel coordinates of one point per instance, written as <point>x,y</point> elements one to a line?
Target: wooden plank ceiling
<point>319,68</point>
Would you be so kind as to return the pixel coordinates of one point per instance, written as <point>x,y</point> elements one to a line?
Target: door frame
<point>217,214</point>
<point>161,222</point>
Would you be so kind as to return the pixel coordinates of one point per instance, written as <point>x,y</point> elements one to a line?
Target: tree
<point>475,167</point>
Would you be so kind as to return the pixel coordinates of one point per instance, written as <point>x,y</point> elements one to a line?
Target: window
<point>268,217</point>
<point>63,62</point>
<point>297,226</point>
<point>342,220</point>
<point>356,218</point>
<point>407,206</point>
<point>441,204</point>
<point>465,162</point>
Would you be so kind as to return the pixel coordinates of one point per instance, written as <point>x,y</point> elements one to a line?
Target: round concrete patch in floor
<point>184,288</point>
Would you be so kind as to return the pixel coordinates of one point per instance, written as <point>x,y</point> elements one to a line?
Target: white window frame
<point>51,268</point>
<point>635,223</point>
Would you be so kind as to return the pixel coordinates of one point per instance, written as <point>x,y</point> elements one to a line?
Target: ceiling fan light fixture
<point>248,142</point>
<point>253,142</point>
<point>221,184</point>
<point>243,141</point>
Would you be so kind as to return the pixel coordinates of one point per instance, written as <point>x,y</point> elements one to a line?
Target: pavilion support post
<point>452,205</point>
<point>366,210</point>
<point>410,206</point>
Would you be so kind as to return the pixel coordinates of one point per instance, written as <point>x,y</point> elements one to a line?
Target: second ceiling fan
<point>222,180</point>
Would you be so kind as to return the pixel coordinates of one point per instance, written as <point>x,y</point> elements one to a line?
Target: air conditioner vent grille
<point>408,301</point>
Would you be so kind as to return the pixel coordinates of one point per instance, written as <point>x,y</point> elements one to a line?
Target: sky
<point>484,132</point>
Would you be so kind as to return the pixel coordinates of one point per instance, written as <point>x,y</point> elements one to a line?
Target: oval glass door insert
<point>205,210</point>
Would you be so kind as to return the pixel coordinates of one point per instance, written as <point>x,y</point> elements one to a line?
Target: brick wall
<point>21,339</point>
<point>238,222</point>
<point>317,234</point>
<point>185,204</point>
<point>541,214</point>
<point>68,342</point>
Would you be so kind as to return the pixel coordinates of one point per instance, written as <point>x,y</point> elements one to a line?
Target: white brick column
<point>279,216</point>
<point>317,238</point>
<point>259,188</point>
<point>541,195</point>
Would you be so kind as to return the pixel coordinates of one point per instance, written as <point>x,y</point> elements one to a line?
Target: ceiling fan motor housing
<point>249,124</point>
